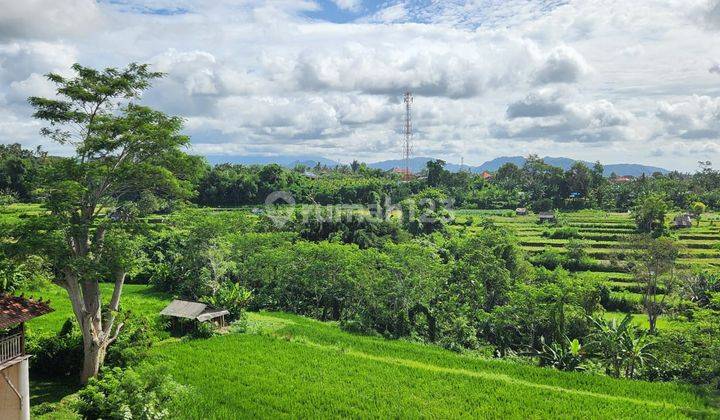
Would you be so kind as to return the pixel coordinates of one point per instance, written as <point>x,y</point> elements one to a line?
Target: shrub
<point>549,258</point>
<point>564,232</point>
<point>125,394</point>
<point>133,343</point>
<point>62,354</point>
<point>619,302</point>
<point>7,199</point>
<point>543,204</point>
<point>203,330</point>
<point>689,355</point>
<point>57,355</point>
<point>230,296</point>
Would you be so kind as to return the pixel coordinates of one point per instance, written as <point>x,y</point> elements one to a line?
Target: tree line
<point>535,184</point>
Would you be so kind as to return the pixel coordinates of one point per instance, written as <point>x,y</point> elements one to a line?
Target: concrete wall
<point>9,401</point>
<point>11,407</point>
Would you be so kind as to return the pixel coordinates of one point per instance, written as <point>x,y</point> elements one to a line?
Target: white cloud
<point>47,18</point>
<point>551,114</point>
<point>584,79</point>
<point>562,65</point>
<point>350,5</point>
<point>696,117</point>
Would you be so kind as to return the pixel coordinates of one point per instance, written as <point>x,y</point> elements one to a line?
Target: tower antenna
<point>407,147</point>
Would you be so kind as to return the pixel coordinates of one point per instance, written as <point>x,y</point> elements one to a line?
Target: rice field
<point>604,234</point>
<point>288,366</point>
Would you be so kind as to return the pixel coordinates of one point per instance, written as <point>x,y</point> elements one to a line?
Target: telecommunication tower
<point>407,146</point>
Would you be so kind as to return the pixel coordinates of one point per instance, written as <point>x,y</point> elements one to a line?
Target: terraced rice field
<point>604,233</point>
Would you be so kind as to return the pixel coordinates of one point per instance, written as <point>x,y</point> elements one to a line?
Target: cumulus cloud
<point>696,117</point>
<point>541,115</point>
<point>562,65</point>
<point>537,104</point>
<point>47,18</point>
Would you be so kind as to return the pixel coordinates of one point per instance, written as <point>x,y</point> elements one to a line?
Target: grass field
<point>137,298</point>
<point>289,366</point>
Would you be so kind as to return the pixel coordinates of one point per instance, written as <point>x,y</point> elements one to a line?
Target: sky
<point>616,81</point>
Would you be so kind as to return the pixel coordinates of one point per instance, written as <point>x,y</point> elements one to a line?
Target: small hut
<point>521,211</point>
<point>180,310</point>
<point>547,216</point>
<point>682,221</point>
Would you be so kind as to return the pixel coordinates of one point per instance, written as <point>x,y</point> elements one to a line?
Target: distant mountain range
<point>419,163</point>
<point>287,161</point>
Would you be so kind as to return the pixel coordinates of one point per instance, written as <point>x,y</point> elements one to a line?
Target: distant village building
<point>682,221</point>
<point>546,216</point>
<point>406,173</point>
<point>310,175</point>
<point>14,373</point>
<point>521,211</point>
<point>487,175</point>
<point>622,179</point>
<point>194,311</point>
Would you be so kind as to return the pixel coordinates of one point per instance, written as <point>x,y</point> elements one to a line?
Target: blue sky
<point>611,80</point>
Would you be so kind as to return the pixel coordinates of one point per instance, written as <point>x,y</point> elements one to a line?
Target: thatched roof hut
<point>195,311</point>
<point>682,221</point>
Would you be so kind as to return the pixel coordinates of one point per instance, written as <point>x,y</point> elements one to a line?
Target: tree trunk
<point>97,336</point>
<point>652,320</point>
<point>93,358</point>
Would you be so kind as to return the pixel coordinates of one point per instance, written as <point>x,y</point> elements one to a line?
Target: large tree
<point>127,159</point>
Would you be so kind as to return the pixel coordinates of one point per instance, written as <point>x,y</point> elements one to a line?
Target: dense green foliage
<point>122,394</point>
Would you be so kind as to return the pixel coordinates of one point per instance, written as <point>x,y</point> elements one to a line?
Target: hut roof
<point>17,309</point>
<point>683,220</point>
<point>192,310</point>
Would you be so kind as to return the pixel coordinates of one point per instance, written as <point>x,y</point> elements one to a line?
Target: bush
<point>203,330</point>
<point>543,204</point>
<point>62,354</point>
<point>230,296</point>
<point>125,394</point>
<point>618,302</point>
<point>57,355</point>
<point>133,343</point>
<point>549,258</point>
<point>565,232</point>
<point>689,355</point>
<point>7,199</point>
